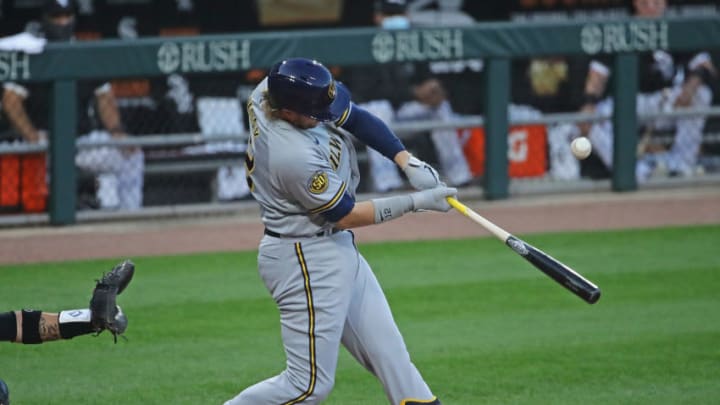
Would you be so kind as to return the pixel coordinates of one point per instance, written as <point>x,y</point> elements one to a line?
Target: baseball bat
<point>553,268</point>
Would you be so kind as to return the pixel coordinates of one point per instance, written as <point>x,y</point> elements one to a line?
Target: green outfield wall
<point>497,43</point>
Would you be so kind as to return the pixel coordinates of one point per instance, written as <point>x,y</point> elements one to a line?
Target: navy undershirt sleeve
<point>342,208</point>
<point>371,131</point>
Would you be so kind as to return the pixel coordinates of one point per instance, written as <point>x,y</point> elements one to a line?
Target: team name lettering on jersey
<point>249,157</point>
<point>252,118</point>
<point>335,152</point>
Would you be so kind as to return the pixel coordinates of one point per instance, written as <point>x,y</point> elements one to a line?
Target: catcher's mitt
<point>106,314</point>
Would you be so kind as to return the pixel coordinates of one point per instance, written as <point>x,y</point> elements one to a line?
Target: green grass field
<point>483,326</point>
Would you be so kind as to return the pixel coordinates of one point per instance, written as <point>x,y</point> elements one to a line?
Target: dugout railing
<point>497,43</point>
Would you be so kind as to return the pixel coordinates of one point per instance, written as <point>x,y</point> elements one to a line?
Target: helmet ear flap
<point>271,101</point>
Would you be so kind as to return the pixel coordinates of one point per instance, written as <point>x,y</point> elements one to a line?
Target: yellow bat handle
<point>457,205</point>
<point>494,229</point>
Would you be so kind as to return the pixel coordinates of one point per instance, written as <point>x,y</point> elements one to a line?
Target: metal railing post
<point>63,127</point>
<point>625,120</point>
<point>496,99</point>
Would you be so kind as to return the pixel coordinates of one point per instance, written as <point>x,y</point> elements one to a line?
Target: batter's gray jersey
<point>325,291</point>
<point>296,174</point>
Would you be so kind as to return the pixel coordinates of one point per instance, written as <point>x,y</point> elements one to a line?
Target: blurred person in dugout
<point>403,92</point>
<point>26,108</point>
<point>186,104</point>
<point>666,82</point>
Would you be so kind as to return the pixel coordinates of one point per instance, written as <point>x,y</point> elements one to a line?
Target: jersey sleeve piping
<point>332,201</point>
<point>344,116</point>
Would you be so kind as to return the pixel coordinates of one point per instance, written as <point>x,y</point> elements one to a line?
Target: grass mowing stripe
<point>483,326</point>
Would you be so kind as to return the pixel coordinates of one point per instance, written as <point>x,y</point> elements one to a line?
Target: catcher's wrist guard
<point>75,322</point>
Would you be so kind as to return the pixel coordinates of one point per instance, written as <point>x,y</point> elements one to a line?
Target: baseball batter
<point>302,170</point>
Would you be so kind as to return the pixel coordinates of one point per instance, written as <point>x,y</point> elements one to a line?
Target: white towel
<point>24,42</point>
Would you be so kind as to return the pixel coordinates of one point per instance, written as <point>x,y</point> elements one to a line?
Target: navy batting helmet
<point>4,394</point>
<point>307,87</point>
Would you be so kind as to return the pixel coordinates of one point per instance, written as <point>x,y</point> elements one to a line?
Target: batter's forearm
<point>389,208</point>
<point>362,214</point>
<point>380,210</point>
<point>376,211</point>
<point>401,158</point>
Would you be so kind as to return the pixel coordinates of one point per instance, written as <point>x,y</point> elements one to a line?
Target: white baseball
<point>581,147</point>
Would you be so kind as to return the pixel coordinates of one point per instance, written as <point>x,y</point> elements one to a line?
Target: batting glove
<point>421,175</point>
<point>433,199</point>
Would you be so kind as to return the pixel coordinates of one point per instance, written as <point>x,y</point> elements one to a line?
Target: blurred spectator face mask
<point>59,27</point>
<point>395,22</point>
<point>650,8</point>
<point>390,14</point>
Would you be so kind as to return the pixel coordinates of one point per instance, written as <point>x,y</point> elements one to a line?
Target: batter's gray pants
<point>327,294</point>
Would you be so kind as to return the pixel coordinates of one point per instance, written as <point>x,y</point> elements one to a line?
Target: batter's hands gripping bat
<point>559,272</point>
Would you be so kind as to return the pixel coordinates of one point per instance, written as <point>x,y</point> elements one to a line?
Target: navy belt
<point>327,232</point>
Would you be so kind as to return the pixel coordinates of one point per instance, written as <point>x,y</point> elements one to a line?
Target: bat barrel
<point>559,272</point>
<point>594,296</point>
<point>554,269</point>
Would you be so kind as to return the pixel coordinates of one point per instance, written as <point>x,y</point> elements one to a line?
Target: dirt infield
<point>519,215</point>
